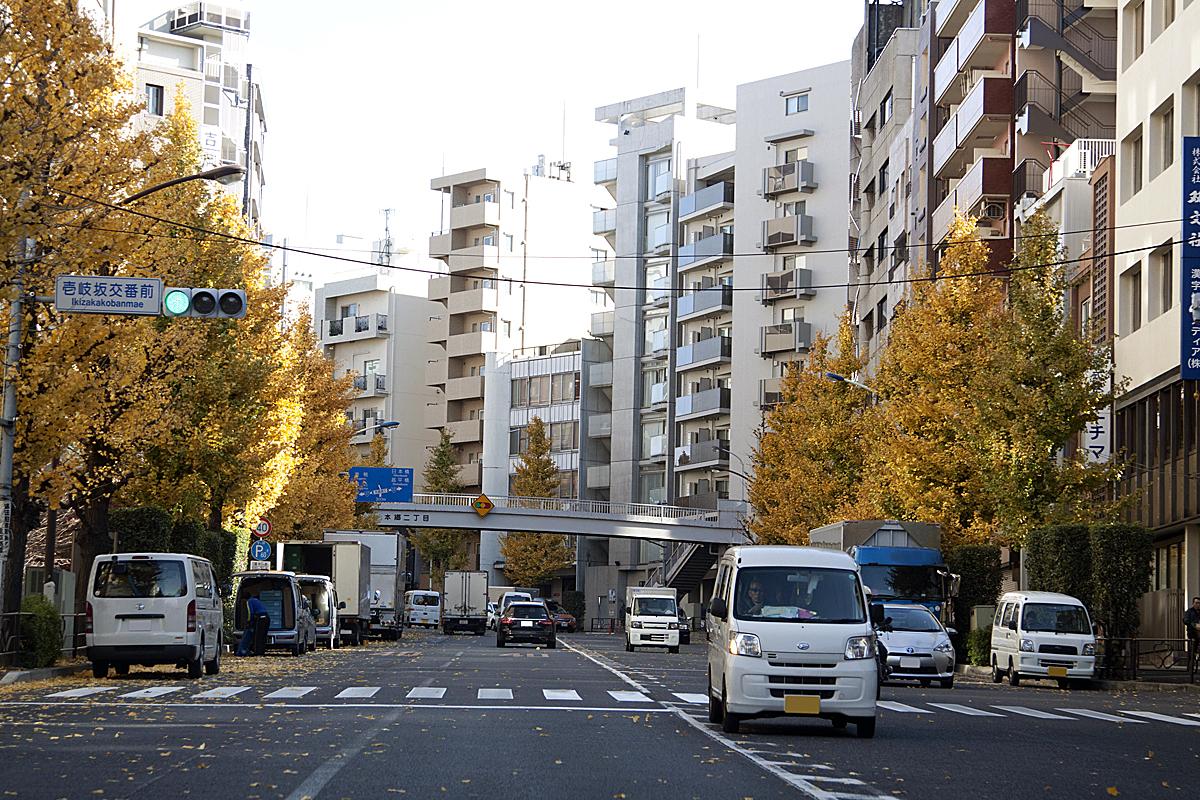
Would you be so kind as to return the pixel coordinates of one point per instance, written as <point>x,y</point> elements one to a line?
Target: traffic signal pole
<point>8,416</point>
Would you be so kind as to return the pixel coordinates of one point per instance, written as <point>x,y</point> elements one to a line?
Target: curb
<point>21,676</point>
<point>1146,686</point>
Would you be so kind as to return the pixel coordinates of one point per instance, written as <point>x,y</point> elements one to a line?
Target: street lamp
<point>833,376</point>
<point>380,425</point>
<point>224,174</point>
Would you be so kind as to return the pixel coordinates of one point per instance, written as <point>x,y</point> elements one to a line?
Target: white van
<point>790,633</point>
<point>1042,635</point>
<point>423,608</point>
<point>153,608</point>
<point>651,618</point>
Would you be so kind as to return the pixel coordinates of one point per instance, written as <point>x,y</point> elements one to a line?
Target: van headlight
<point>745,644</point>
<point>635,624</point>
<point>859,647</point>
<point>1027,646</point>
<point>1089,649</point>
<point>672,626</point>
<point>945,647</point>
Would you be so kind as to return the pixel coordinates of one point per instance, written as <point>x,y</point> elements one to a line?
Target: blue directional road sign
<point>260,550</point>
<point>383,484</point>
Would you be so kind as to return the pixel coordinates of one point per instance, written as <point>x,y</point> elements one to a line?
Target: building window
<point>1085,316</point>
<point>508,242</point>
<point>1131,299</point>
<point>1136,18</point>
<point>883,178</point>
<point>564,387</point>
<point>794,209</point>
<point>796,103</point>
<point>154,99</point>
<point>507,329</point>
<point>1162,292</point>
<point>520,393</point>
<point>1133,163</point>
<point>564,436</point>
<point>349,310</point>
<point>885,109</point>
<point>489,240</point>
<point>795,154</point>
<point>1164,128</point>
<point>881,318</point>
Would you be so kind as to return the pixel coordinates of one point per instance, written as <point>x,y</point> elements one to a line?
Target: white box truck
<point>651,618</point>
<point>348,564</point>
<point>389,554</point>
<point>464,602</point>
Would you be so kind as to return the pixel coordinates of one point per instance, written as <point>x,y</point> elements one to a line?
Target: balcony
<point>664,185</point>
<point>710,402</point>
<point>984,114</point>
<point>788,284</point>
<point>599,476</point>
<point>604,171</point>
<point>989,178</point>
<point>435,372</point>
<point>474,257</point>
<point>465,431</point>
<point>600,374</point>
<point>709,453</point>
<point>599,426</point>
<point>658,241</point>
<point>660,394</point>
<point>705,302</point>
<point>659,292</point>
<point>474,301</point>
<point>1027,181</point>
<point>370,385</point>
<point>708,250</point>
<point>985,37</point>
<point>467,388</point>
<point>604,273</point>
<point>604,222</point>
<point>439,245</point>
<point>439,288</point>
<point>435,415</point>
<point>714,350</point>
<point>770,392</point>
<point>788,231</point>
<point>470,475</point>
<point>473,215</point>
<point>658,446</point>
<point>710,201</point>
<point>602,323</point>
<point>794,177</point>
<point>469,344</point>
<point>349,329</point>
<point>787,337</point>
<point>1078,161</point>
<point>951,14</point>
<point>660,341</point>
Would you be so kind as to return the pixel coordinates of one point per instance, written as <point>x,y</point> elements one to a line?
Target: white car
<point>491,616</point>
<point>790,632</point>
<point>153,608</point>
<point>918,646</point>
<point>1042,635</point>
<point>423,608</point>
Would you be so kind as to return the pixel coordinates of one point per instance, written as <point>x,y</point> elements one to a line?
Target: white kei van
<point>1042,635</point>
<point>790,633</point>
<point>423,608</point>
<point>153,608</point>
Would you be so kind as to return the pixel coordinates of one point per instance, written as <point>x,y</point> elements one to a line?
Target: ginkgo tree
<point>531,559</point>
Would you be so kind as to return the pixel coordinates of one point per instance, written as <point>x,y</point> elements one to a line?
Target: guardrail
<point>1135,659</point>
<point>596,507</point>
<point>10,635</point>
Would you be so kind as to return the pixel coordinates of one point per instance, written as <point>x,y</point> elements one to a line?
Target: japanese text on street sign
<point>100,294</point>
<point>1189,355</point>
<point>383,484</point>
<point>260,565</point>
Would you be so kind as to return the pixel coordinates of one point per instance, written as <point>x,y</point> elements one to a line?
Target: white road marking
<point>495,694</point>
<point>358,692</point>
<point>903,708</point>
<point>289,693</point>
<point>688,697</point>
<point>1163,718</point>
<point>629,697</point>
<point>427,693</point>
<point>86,691</point>
<point>1031,712</point>
<point>221,692</point>
<point>601,664</point>
<point>970,712</point>
<point>561,694</point>
<point>1087,712</point>
<point>153,691</point>
<point>322,775</point>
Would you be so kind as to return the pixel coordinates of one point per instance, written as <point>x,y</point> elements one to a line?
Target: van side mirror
<point>877,618</point>
<point>718,608</point>
<point>341,605</point>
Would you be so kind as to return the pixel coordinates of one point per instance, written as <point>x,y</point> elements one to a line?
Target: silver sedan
<point>918,647</point>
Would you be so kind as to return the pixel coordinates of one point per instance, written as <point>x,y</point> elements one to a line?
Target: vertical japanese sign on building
<point>1189,317</point>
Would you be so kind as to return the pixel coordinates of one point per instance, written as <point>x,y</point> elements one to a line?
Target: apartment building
<point>1158,91</point>
<point>201,49</point>
<point>375,332</point>
<point>505,240</point>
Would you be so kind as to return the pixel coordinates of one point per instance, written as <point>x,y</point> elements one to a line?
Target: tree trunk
<point>25,517</point>
<point>215,507</point>
<point>92,540</point>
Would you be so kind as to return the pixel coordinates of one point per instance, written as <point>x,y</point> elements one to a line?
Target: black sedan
<point>526,622</point>
<point>685,628</point>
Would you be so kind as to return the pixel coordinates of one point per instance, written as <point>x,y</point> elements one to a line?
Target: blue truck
<point>899,561</point>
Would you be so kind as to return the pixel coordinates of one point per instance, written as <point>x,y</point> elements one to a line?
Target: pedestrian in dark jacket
<point>257,618</point>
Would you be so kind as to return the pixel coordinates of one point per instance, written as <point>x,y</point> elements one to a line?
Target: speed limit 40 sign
<point>261,528</point>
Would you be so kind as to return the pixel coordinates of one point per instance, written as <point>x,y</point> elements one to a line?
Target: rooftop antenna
<point>385,247</point>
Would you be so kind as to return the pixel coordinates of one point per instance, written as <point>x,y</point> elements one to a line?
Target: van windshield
<point>425,600</point>
<point>1054,618</point>
<point>140,578</point>
<point>654,607</point>
<point>801,594</point>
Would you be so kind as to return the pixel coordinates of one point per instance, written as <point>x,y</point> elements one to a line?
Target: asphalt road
<point>434,716</point>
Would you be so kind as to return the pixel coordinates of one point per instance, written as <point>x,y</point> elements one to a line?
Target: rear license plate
<point>462,622</point>
<point>801,704</point>
<point>526,624</point>
<point>910,663</point>
<point>1057,672</point>
<point>139,625</point>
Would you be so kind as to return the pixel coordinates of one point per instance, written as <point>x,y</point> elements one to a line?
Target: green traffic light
<point>177,303</point>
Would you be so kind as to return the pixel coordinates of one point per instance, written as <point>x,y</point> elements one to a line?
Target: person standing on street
<point>257,611</point>
<point>1191,623</point>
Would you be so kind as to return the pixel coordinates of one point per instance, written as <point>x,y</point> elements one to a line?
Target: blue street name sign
<point>101,294</point>
<point>1189,314</point>
<point>260,550</point>
<point>383,484</point>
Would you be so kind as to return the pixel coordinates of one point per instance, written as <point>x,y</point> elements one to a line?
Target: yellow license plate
<point>801,704</point>
<point>1057,672</point>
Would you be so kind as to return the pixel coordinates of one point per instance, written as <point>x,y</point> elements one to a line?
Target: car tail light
<point>506,621</point>
<point>191,617</point>
<point>87,623</point>
<point>547,622</point>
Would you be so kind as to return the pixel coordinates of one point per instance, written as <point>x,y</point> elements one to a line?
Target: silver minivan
<point>153,608</point>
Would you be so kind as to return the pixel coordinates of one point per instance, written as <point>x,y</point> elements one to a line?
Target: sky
<point>367,100</point>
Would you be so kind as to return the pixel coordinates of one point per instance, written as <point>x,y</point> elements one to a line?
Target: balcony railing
<point>604,273</point>
<point>599,476</point>
<point>984,114</point>
<point>786,231</point>
<point>658,446</point>
<point>789,283</point>
<point>602,323</point>
<point>711,199</point>
<point>794,177</point>
<point>605,171</point>
<point>702,251</point>
<point>1027,180</point>
<point>335,327</point>
<point>374,382</point>
<point>770,392</point>
<point>363,323</point>
<point>786,337</point>
<point>705,301</point>
<point>600,426</point>
<point>716,348</point>
<point>710,452</point>
<point>988,178</point>
<point>659,238</point>
<point>1034,93</point>
<point>604,221</point>
<point>659,341</point>
<point>1062,25</point>
<point>601,374</point>
<point>1078,161</point>
<point>709,401</point>
<point>664,184</point>
<point>659,292</point>
<point>660,393</point>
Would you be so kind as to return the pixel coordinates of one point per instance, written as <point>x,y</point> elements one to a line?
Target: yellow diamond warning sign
<point>482,505</point>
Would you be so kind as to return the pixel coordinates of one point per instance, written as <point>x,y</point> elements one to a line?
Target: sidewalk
<point>24,675</point>
<point>1131,686</point>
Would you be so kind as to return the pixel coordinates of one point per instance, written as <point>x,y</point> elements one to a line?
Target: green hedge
<point>153,530</point>
<point>979,566</point>
<point>1058,559</point>
<point>41,633</point>
<point>979,646</point>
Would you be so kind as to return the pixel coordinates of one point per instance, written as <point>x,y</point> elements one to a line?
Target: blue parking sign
<point>260,550</point>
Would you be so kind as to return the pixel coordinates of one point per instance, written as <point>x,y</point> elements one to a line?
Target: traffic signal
<point>211,303</point>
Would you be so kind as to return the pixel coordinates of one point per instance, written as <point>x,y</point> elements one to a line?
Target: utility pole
<point>8,420</point>
<point>249,125</point>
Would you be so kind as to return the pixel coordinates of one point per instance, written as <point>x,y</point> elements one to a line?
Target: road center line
<point>322,775</point>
